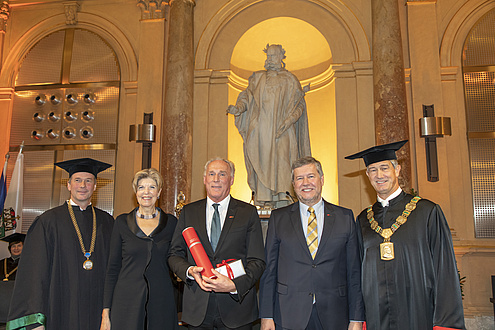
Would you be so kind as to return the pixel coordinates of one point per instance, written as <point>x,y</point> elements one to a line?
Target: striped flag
<point>3,194</point>
<point>3,184</point>
<point>14,195</point>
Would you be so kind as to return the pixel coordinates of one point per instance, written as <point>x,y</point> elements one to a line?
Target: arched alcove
<point>457,31</point>
<point>335,21</point>
<point>308,56</point>
<point>350,69</point>
<point>462,20</point>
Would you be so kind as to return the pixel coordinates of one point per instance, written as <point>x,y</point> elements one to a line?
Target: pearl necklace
<point>144,216</point>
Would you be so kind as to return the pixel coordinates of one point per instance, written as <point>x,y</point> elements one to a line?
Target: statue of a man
<point>272,120</point>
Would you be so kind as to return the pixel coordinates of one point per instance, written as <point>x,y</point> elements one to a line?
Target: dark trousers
<point>213,320</point>
<point>313,324</point>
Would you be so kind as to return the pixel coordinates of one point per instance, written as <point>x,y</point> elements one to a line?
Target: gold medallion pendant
<point>387,251</point>
<point>88,264</point>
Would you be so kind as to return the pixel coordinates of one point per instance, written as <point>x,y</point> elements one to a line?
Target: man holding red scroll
<point>228,229</point>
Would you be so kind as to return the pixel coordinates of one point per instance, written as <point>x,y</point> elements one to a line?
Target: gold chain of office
<point>87,264</point>
<point>5,270</point>
<point>387,247</point>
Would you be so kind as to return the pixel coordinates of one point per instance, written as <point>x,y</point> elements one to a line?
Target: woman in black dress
<point>138,288</point>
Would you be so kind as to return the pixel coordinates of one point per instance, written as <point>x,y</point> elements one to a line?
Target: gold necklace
<point>87,264</point>
<point>387,247</point>
<point>5,271</point>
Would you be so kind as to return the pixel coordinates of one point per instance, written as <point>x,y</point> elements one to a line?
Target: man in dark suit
<point>228,229</point>
<point>313,277</point>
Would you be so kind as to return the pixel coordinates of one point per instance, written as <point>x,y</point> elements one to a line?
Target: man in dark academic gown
<point>8,266</point>
<point>60,280</point>
<point>409,272</point>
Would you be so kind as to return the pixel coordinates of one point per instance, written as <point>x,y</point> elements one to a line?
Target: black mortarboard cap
<point>83,165</point>
<point>14,238</point>
<point>378,153</point>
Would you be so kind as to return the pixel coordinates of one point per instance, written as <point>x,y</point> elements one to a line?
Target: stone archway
<point>108,31</point>
<point>351,70</point>
<point>113,36</point>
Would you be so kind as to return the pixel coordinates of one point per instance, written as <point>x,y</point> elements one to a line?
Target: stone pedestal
<point>391,116</point>
<point>176,158</point>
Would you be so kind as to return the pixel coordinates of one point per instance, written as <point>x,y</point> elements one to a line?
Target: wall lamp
<point>431,127</point>
<point>146,134</point>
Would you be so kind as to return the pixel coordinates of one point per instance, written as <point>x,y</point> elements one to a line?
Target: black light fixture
<point>431,127</point>
<point>146,134</point>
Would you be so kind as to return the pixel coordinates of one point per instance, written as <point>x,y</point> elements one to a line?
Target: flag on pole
<point>3,183</point>
<point>13,201</point>
<point>3,194</point>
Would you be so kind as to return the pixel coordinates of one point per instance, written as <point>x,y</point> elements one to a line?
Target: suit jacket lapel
<point>131,223</point>
<point>329,222</point>
<point>295,219</point>
<point>200,226</point>
<point>229,219</point>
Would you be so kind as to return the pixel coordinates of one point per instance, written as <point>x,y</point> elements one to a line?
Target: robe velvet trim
<point>22,322</point>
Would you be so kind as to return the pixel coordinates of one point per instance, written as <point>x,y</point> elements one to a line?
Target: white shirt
<point>385,202</point>
<point>320,217</point>
<point>74,204</point>
<point>222,210</point>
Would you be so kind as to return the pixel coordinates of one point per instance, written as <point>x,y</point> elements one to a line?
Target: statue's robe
<point>272,99</point>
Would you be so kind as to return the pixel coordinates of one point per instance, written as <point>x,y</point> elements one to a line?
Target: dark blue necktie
<point>216,228</point>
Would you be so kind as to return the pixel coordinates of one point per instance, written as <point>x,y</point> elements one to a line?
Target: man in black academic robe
<point>52,288</point>
<point>410,279</point>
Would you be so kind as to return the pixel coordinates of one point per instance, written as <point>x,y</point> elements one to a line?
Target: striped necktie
<point>312,234</point>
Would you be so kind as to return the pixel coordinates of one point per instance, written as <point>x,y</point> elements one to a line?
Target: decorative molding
<point>152,9</point>
<point>71,9</point>
<point>111,33</point>
<point>4,15</point>
<point>450,73</point>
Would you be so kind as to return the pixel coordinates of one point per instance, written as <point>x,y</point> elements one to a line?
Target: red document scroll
<point>197,251</point>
